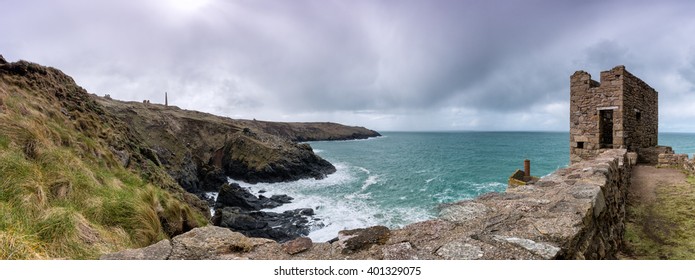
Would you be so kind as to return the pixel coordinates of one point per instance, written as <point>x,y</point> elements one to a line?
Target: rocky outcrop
<point>253,158</point>
<point>237,209</point>
<point>199,150</point>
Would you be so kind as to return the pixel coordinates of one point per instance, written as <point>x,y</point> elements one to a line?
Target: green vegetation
<point>663,229</point>
<point>63,194</point>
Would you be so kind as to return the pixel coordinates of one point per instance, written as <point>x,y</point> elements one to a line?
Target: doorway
<point>605,124</point>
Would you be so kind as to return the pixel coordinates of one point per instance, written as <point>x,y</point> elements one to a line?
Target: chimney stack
<point>527,167</point>
<point>166,99</point>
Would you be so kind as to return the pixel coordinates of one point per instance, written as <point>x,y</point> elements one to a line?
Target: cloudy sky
<point>387,65</point>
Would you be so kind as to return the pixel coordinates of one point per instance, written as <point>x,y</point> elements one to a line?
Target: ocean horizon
<point>403,177</point>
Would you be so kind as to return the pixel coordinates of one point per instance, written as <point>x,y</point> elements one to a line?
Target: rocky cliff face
<point>199,150</point>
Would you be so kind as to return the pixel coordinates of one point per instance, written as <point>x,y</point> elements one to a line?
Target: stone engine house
<point>620,112</point>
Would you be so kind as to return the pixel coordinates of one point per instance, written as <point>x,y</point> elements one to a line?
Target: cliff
<point>200,149</point>
<point>82,175</point>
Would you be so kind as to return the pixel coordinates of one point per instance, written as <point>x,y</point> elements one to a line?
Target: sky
<point>387,65</point>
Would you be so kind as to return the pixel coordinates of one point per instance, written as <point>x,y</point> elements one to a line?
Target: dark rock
<point>233,195</point>
<point>280,227</point>
<point>151,155</point>
<point>282,198</point>
<point>2,60</point>
<point>243,158</point>
<point>211,178</point>
<point>297,245</point>
<point>359,239</point>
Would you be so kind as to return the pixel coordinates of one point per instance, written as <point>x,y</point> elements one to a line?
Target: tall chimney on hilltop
<point>166,99</point>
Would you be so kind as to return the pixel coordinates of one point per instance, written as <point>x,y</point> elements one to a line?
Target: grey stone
<point>545,250</point>
<point>399,251</point>
<point>158,251</point>
<point>460,213</point>
<point>458,250</point>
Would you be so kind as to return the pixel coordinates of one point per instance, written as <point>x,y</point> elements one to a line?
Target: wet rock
<point>298,245</point>
<point>158,251</point>
<point>233,195</point>
<point>359,239</point>
<point>280,227</point>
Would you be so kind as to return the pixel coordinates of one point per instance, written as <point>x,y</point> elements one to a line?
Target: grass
<point>665,228</point>
<point>62,193</point>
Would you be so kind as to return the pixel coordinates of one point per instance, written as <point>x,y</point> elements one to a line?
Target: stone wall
<point>634,106</point>
<point>678,161</point>
<point>574,213</point>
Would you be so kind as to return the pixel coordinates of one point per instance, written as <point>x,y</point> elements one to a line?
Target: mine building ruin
<point>620,112</point>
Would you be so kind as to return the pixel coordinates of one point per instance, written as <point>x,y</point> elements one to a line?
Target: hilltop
<point>82,175</point>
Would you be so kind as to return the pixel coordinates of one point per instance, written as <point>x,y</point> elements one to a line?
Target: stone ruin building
<point>620,112</point>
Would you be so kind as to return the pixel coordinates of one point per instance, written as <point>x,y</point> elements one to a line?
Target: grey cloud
<point>388,64</point>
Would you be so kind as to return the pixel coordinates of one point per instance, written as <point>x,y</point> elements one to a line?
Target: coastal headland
<point>85,175</point>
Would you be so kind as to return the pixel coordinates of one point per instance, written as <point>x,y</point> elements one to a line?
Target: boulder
<point>280,227</point>
<point>298,245</point>
<point>210,243</point>
<point>363,238</point>
<point>158,251</point>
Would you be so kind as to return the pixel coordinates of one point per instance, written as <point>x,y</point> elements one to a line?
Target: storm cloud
<point>387,65</point>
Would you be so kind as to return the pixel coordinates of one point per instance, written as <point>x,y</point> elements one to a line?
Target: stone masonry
<point>620,112</point>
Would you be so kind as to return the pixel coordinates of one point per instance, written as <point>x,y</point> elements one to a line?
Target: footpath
<point>660,214</point>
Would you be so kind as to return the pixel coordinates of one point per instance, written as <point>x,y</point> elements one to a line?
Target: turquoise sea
<point>402,177</point>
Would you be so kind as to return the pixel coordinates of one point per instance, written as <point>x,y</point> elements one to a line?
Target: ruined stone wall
<point>640,113</point>
<point>635,112</point>
<point>586,97</point>
<point>574,213</point>
<point>678,161</point>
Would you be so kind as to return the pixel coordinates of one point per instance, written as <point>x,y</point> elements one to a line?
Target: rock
<point>458,250</point>
<point>280,227</point>
<point>462,212</point>
<point>211,178</point>
<point>233,195</point>
<point>210,242</point>
<point>2,60</point>
<point>258,158</point>
<point>399,251</point>
<point>158,251</point>
<point>282,198</point>
<point>298,245</point>
<point>358,239</point>
<point>545,250</point>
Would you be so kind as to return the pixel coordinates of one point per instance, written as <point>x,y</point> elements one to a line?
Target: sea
<point>403,177</point>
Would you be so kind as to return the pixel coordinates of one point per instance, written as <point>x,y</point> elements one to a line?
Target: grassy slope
<point>663,229</point>
<point>63,193</point>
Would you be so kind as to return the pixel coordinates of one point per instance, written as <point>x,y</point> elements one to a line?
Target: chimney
<point>166,99</point>
<point>527,168</point>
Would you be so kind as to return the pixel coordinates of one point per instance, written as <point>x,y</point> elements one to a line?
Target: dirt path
<point>646,179</point>
<point>660,217</point>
